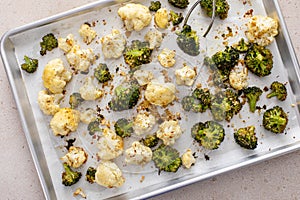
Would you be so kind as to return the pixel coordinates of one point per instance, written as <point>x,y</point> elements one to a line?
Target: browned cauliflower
<point>49,103</point>
<point>66,44</point>
<point>87,33</point>
<point>113,44</point>
<point>75,157</point>
<point>109,175</point>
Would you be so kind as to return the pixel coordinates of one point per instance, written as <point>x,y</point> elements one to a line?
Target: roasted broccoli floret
<point>102,73</point>
<point>70,177</point>
<point>75,100</point>
<point>90,175</point>
<point>222,8</point>
<point>48,43</point>
<point>166,158</point>
<point>188,41</point>
<point>179,3</point>
<point>246,137</point>
<point>275,119</point>
<point>199,101</point>
<point>150,140</point>
<point>259,60</point>
<point>94,127</point>
<point>242,46</point>
<point>252,94</point>
<point>123,127</point>
<point>176,18</point>
<point>154,6</point>
<point>30,64</point>
<point>278,90</point>
<point>209,135</point>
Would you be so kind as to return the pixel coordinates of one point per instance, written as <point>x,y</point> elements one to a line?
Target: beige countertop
<point>273,179</point>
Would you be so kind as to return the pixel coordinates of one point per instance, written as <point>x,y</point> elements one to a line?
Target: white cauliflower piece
<point>166,57</point>
<point>87,33</point>
<point>66,44</point>
<point>113,44</point>
<point>161,18</point>
<point>75,157</point>
<point>169,132</point>
<point>110,145</point>
<point>88,116</point>
<point>143,77</point>
<point>154,37</point>
<point>138,154</point>
<point>188,159</point>
<point>81,59</point>
<point>89,91</point>
<point>238,78</point>
<point>80,192</point>
<point>135,16</point>
<point>66,120</point>
<point>49,103</point>
<point>143,123</point>
<point>109,175</point>
<point>185,76</point>
<point>262,30</point>
<point>55,76</point>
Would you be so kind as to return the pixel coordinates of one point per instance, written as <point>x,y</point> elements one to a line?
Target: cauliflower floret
<point>113,44</point>
<point>66,44</point>
<point>88,116</point>
<point>138,154</point>
<point>143,77</point>
<point>188,159</point>
<point>49,103</point>
<point>75,157</point>
<point>143,123</point>
<point>110,145</point>
<point>55,76</point>
<point>66,120</point>
<point>109,175</point>
<point>89,91</point>
<point>135,16</point>
<point>87,33</point>
<point>81,59</point>
<point>154,37</point>
<point>160,94</point>
<point>166,58</point>
<point>80,192</point>
<point>185,76</point>
<point>169,132</point>
<point>238,78</point>
<point>161,18</point>
<point>262,30</point>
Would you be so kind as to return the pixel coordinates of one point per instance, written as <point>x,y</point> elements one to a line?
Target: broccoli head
<point>188,41</point>
<point>179,3</point>
<point>242,46</point>
<point>94,127</point>
<point>48,43</point>
<point>102,73</point>
<point>259,60</point>
<point>70,177</point>
<point>75,100</point>
<point>123,127</point>
<point>209,134</point>
<point>222,8</point>
<point>30,64</point>
<point>176,18</point>
<point>275,119</point>
<point>166,158</point>
<point>154,6</point>
<point>246,137</point>
<point>252,94</point>
<point>90,175</point>
<point>199,101</point>
<point>278,90</point>
<point>150,140</point>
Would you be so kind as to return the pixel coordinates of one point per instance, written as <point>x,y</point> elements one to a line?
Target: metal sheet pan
<point>17,41</point>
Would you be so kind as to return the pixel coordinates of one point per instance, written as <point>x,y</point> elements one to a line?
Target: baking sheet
<point>47,149</point>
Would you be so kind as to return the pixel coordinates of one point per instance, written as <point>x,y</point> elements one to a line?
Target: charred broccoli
<point>48,43</point>
<point>94,127</point>
<point>242,46</point>
<point>278,90</point>
<point>209,134</point>
<point>102,73</point>
<point>199,101</point>
<point>222,8</point>
<point>90,175</point>
<point>252,94</point>
<point>30,64</point>
<point>75,100</point>
<point>123,127</point>
<point>150,140</point>
<point>176,18</point>
<point>275,119</point>
<point>188,41</point>
<point>259,60</point>
<point>179,3</point>
<point>70,177</point>
<point>246,137</point>
<point>166,158</point>
<point>154,6</point>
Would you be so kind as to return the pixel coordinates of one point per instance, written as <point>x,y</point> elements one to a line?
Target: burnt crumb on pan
<point>70,143</point>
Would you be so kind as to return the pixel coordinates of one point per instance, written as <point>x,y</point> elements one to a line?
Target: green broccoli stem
<point>252,104</point>
<point>272,94</point>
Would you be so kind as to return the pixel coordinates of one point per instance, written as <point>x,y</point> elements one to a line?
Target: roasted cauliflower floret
<point>113,44</point>
<point>109,175</point>
<point>88,116</point>
<point>89,91</point>
<point>166,58</point>
<point>49,103</point>
<point>154,38</point>
<point>143,123</point>
<point>87,33</point>
<point>75,157</point>
<point>143,77</point>
<point>138,154</point>
<point>66,120</point>
<point>81,59</point>
<point>161,18</point>
<point>66,44</point>
<point>238,78</point>
<point>135,16</point>
<point>169,132</point>
<point>55,76</point>
<point>188,159</point>
<point>185,76</point>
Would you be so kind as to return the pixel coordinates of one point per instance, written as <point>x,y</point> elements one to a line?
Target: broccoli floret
<point>94,127</point>
<point>30,64</point>
<point>188,41</point>
<point>222,8</point>
<point>70,177</point>
<point>179,3</point>
<point>90,175</point>
<point>242,46</point>
<point>136,54</point>
<point>246,137</point>
<point>199,101</point>
<point>48,43</point>
<point>150,140</point>
<point>102,73</point>
<point>278,90</point>
<point>252,94</point>
<point>166,158</point>
<point>75,100</point>
<point>209,134</point>
<point>259,60</point>
<point>176,18</point>
<point>154,6</point>
<point>123,127</point>
<point>275,119</point>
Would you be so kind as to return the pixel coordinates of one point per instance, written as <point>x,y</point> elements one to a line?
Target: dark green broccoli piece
<point>259,60</point>
<point>275,119</point>
<point>176,18</point>
<point>188,41</point>
<point>199,101</point>
<point>150,140</point>
<point>252,94</point>
<point>123,127</point>
<point>154,6</point>
<point>70,177</point>
<point>246,137</point>
<point>179,3</point>
<point>242,46</point>
<point>278,90</point>
<point>166,158</point>
<point>90,175</point>
<point>222,8</point>
<point>75,100</point>
<point>102,73</point>
<point>209,135</point>
<point>94,127</point>
<point>48,43</point>
<point>30,64</point>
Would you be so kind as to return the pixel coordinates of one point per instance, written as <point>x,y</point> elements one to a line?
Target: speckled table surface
<point>273,179</point>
